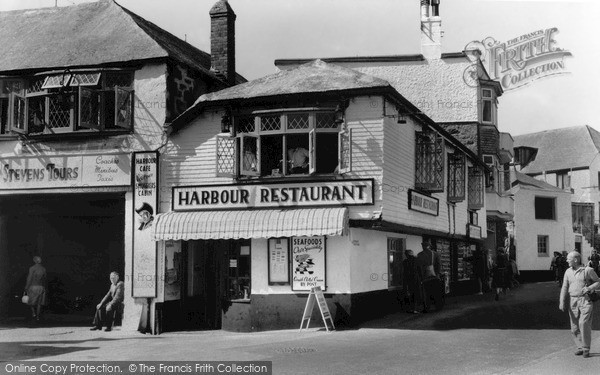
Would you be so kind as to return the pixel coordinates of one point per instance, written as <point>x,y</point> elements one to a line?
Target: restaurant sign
<point>423,203</point>
<point>275,195</point>
<point>76,171</point>
<point>474,231</point>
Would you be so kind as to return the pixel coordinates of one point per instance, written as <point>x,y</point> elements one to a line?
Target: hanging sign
<point>145,200</point>
<point>423,203</point>
<point>308,262</point>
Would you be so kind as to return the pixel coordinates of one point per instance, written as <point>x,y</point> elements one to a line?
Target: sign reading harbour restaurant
<point>65,171</point>
<point>260,195</point>
<point>423,203</point>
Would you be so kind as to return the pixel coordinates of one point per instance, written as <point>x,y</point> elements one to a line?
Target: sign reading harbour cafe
<point>275,195</point>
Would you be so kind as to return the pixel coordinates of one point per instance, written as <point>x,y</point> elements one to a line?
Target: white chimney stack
<point>431,29</point>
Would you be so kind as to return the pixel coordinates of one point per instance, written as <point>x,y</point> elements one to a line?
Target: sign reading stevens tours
<point>145,199</point>
<point>308,262</point>
<point>276,195</point>
<point>423,203</point>
<point>65,171</point>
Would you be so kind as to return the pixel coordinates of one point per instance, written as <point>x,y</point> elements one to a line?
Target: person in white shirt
<point>578,282</point>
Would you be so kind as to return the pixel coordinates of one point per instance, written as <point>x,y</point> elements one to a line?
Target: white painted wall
<point>527,228</point>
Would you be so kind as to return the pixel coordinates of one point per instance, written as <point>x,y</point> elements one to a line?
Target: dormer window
<point>68,102</point>
<point>488,106</point>
<point>283,143</point>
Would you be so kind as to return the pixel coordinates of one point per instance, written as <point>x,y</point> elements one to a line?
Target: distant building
<point>567,158</point>
<point>542,225</point>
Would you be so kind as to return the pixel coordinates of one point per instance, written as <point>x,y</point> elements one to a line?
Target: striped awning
<point>212,225</point>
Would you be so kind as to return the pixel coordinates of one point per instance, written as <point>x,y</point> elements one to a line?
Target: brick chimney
<point>222,40</point>
<point>431,29</point>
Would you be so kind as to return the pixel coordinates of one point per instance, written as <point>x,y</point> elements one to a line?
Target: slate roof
<point>313,77</point>
<point>523,179</point>
<point>89,34</point>
<point>560,149</point>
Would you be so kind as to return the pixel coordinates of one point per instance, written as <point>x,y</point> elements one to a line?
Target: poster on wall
<point>279,263</point>
<point>308,262</point>
<point>172,280</point>
<point>145,199</point>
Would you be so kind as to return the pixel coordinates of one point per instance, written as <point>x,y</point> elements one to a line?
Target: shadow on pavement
<point>529,307</point>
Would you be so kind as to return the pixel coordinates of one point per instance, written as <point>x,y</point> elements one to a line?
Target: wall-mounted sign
<point>308,262</point>
<point>75,171</point>
<point>423,203</point>
<point>473,231</point>
<point>279,261</point>
<point>276,195</point>
<point>145,199</point>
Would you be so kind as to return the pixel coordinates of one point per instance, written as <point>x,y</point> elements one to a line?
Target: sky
<point>271,29</point>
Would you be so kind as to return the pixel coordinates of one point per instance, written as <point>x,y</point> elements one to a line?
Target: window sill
<point>543,255</point>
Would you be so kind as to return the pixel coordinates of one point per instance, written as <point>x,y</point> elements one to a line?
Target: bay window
<point>285,143</point>
<point>68,102</point>
<point>488,106</point>
<point>429,160</point>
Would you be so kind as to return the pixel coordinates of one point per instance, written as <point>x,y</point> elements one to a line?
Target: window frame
<point>242,129</point>
<point>430,153</point>
<point>493,103</point>
<point>95,81</point>
<point>476,188</point>
<point>538,214</point>
<point>544,241</point>
<point>234,253</point>
<point>561,178</point>
<point>456,176</point>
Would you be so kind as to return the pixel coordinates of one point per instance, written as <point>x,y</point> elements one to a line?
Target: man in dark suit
<point>110,305</point>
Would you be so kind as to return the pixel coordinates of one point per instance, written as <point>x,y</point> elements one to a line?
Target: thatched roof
<point>560,149</point>
<point>90,34</point>
<point>313,77</point>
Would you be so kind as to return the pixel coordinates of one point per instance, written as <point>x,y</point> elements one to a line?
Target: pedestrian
<point>36,288</point>
<point>429,267</point>
<point>514,273</point>
<point>411,281</point>
<point>554,267</point>
<point>500,275</point>
<point>594,261</point>
<point>111,304</point>
<point>562,266</point>
<point>478,260</point>
<point>578,282</point>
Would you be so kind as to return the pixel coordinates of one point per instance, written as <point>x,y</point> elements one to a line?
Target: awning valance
<point>212,225</point>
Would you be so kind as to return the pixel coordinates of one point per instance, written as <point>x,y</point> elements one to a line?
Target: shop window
<point>238,280</point>
<point>488,106</point>
<point>279,144</point>
<point>456,177</point>
<point>475,188</point>
<point>395,256</point>
<point>68,102</point>
<point>545,208</point>
<point>543,244</point>
<point>429,168</point>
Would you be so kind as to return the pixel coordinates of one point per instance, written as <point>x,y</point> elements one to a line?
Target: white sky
<point>271,29</point>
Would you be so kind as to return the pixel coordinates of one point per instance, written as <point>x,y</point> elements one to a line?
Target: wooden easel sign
<point>316,293</point>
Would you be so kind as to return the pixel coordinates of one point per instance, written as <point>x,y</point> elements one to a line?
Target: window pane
<point>121,79</point>
<point>3,115</point>
<point>326,120</point>
<point>245,124</point>
<point>297,121</point>
<point>37,113</point>
<point>487,93</point>
<point>487,111</point>
<point>297,153</point>
<point>60,111</point>
<point>35,85</point>
<point>270,123</point>
<point>544,208</point>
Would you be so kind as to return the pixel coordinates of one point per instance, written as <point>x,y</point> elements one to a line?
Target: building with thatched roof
<point>86,93</point>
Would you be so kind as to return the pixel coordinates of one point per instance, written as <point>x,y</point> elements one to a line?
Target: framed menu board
<point>279,261</point>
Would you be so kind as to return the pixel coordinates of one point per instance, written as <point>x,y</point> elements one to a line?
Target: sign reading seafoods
<point>308,262</point>
<point>65,171</point>
<point>276,195</point>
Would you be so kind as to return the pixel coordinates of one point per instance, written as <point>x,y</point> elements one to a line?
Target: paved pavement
<point>523,333</point>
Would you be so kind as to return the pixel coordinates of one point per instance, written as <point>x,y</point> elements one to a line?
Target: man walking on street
<point>578,282</point>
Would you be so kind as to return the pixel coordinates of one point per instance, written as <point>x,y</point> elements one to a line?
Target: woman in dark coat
<point>501,275</point>
<point>35,289</point>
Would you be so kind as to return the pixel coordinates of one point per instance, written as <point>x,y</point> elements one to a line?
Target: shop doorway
<point>80,238</point>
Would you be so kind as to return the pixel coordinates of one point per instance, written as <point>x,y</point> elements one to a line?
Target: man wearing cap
<point>146,213</point>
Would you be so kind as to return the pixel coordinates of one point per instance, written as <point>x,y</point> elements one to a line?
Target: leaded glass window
<point>456,177</point>
<point>475,189</point>
<point>429,169</point>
